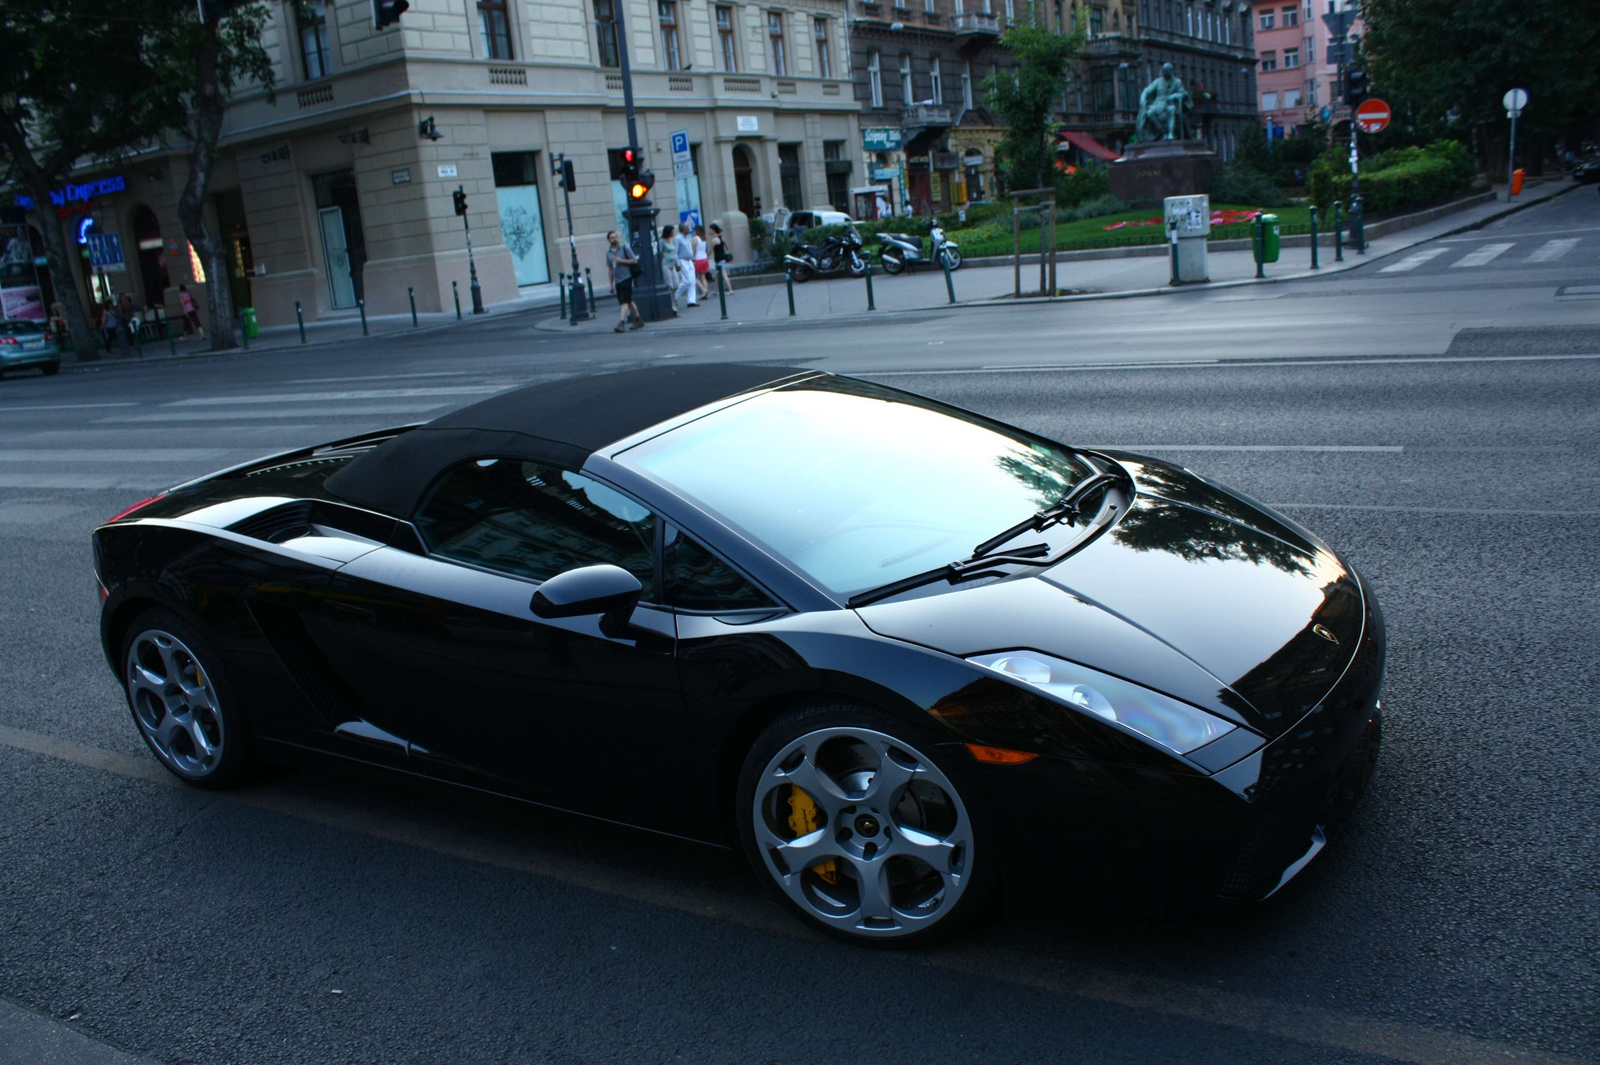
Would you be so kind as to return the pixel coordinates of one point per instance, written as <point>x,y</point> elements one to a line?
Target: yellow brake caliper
<point>803,821</point>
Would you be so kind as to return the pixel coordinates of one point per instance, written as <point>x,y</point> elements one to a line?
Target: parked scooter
<point>843,251</point>
<point>903,250</point>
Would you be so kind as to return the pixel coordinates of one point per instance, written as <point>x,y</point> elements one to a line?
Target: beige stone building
<point>338,187</point>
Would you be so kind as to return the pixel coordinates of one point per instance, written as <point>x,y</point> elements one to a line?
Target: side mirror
<point>610,591</point>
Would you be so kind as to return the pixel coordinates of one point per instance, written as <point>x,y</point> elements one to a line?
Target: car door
<point>450,661</point>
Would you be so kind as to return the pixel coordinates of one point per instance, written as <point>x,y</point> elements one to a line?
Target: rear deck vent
<point>276,524</point>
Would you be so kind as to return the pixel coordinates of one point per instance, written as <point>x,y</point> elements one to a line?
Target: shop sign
<point>277,155</point>
<point>748,123</point>
<point>80,193</point>
<point>885,173</point>
<point>401,176</point>
<point>880,139</point>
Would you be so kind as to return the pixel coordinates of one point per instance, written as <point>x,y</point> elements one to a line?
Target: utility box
<point>1271,239</point>
<point>1188,221</point>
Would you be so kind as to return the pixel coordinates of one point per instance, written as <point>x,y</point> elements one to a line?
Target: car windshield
<point>857,485</point>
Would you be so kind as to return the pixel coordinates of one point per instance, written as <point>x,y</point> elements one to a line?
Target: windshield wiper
<point>960,570</point>
<point>1069,509</point>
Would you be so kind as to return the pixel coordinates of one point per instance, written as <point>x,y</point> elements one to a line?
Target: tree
<point>213,51</point>
<point>1026,95</point>
<point>77,86</point>
<point>1448,62</point>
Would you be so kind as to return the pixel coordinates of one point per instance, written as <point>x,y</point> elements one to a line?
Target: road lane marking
<point>1486,512</point>
<point>81,481</point>
<point>108,454</point>
<point>67,406</point>
<point>1537,233</point>
<point>1395,1040</point>
<point>268,415</point>
<point>1481,256</point>
<point>1552,250</point>
<point>388,377</point>
<point>337,397</point>
<point>1393,449</point>
<point>1224,364</point>
<point>1411,262</point>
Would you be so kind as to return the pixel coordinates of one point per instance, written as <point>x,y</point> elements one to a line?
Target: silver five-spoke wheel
<point>175,703</point>
<point>863,832</point>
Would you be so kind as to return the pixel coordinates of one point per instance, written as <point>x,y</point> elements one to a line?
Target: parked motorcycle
<point>903,250</point>
<point>840,252</point>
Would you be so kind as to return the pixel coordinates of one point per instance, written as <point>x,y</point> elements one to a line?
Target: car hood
<point>1196,592</point>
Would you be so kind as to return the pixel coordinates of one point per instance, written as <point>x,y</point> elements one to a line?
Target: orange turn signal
<point>1000,755</point>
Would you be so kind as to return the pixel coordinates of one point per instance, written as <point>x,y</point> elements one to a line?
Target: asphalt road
<point>1439,426</point>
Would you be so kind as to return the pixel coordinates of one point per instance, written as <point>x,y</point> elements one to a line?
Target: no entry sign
<point>1372,116</point>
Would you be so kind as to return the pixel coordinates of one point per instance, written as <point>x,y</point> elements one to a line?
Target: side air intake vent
<point>276,524</point>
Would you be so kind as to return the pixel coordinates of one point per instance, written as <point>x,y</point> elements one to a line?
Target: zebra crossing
<point>1471,253</point>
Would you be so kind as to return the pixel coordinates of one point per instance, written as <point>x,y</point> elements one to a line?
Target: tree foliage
<point>1026,95</point>
<point>1445,64</point>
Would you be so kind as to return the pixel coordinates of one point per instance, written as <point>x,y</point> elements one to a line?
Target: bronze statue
<point>1161,109</point>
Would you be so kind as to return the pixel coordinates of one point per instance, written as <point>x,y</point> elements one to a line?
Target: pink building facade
<point>1296,75</point>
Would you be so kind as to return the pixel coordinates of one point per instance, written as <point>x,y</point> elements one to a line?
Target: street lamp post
<point>650,293</point>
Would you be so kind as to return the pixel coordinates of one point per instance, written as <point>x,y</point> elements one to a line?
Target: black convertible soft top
<point>563,422</point>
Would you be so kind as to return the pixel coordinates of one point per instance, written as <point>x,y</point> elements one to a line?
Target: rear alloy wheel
<point>858,829</point>
<point>177,702</point>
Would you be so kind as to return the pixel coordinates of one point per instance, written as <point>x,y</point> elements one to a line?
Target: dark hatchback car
<point>884,645</point>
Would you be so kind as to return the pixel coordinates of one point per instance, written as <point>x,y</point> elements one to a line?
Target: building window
<point>667,13</point>
<point>966,86</point>
<point>819,27</point>
<point>494,29</point>
<point>875,77</point>
<point>838,176</point>
<point>1266,20</point>
<point>1269,61</point>
<point>605,32</point>
<point>789,176</point>
<point>1311,92</point>
<point>1291,97</point>
<point>1097,21</point>
<point>1291,58</point>
<point>1291,17</point>
<point>936,76</point>
<point>725,35</point>
<point>906,96</point>
<point>927,6</point>
<point>1104,90</point>
<point>961,7</point>
<point>780,61</point>
<point>1011,10</point>
<point>1311,50</point>
<point>1306,11</point>
<point>1188,20</point>
<point>1269,101</point>
<point>314,41</point>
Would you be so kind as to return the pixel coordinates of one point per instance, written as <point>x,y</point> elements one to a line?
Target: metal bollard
<point>455,294</point>
<point>138,342</point>
<point>361,305</point>
<point>561,282</point>
<point>1172,238</point>
<point>1358,227</point>
<point>871,306</point>
<point>411,294</point>
<point>1314,264</point>
<point>172,339</point>
<point>1256,243</point>
<point>788,279</point>
<point>300,318</point>
<point>949,282</point>
<point>588,277</point>
<point>722,292</point>
<point>1338,238</point>
<point>244,338</point>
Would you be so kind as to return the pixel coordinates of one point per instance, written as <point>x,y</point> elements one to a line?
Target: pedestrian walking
<point>623,266</point>
<point>702,262</point>
<point>721,255</point>
<point>110,324</point>
<point>191,313</point>
<point>668,260</point>
<point>683,251</point>
<point>128,314</point>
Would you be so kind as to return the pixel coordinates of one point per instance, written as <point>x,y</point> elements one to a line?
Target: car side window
<point>534,519</point>
<point>699,580</point>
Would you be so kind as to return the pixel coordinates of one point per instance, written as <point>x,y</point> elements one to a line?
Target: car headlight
<point>1175,725</point>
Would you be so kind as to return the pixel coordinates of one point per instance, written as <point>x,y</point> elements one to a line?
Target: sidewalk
<point>1143,272</point>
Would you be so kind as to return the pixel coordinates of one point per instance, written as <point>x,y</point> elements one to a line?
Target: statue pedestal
<point>1150,171</point>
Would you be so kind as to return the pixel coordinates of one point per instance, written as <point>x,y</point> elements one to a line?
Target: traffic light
<point>388,12</point>
<point>1355,86</point>
<point>566,178</point>
<point>459,197</point>
<point>635,180</point>
<point>641,184</point>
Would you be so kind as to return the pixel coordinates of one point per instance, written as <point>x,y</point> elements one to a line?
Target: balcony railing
<point>1113,44</point>
<point>975,24</point>
<point>924,116</point>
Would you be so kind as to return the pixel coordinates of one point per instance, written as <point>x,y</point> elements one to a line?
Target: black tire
<point>892,262</point>
<point>974,849</point>
<point>801,273</point>
<point>230,725</point>
<point>51,369</point>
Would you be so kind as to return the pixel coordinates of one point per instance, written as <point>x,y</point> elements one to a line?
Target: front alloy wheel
<point>861,832</point>
<point>179,703</point>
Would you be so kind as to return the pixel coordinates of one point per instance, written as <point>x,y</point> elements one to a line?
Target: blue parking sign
<point>680,144</point>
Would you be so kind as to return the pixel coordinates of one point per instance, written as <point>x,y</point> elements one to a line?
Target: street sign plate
<point>1515,100</point>
<point>105,251</point>
<point>1327,112</point>
<point>680,145</point>
<point>682,168</point>
<point>1372,116</point>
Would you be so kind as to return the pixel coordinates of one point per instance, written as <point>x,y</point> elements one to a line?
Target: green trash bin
<point>1270,240</point>
<point>252,328</point>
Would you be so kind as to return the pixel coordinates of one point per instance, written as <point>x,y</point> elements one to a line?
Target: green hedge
<point>1403,177</point>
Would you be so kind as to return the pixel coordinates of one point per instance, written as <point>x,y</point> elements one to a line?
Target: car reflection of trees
<point>1200,536</point>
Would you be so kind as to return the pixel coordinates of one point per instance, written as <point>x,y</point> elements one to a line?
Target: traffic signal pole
<point>559,166</point>
<point>472,266</point>
<point>650,293</point>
